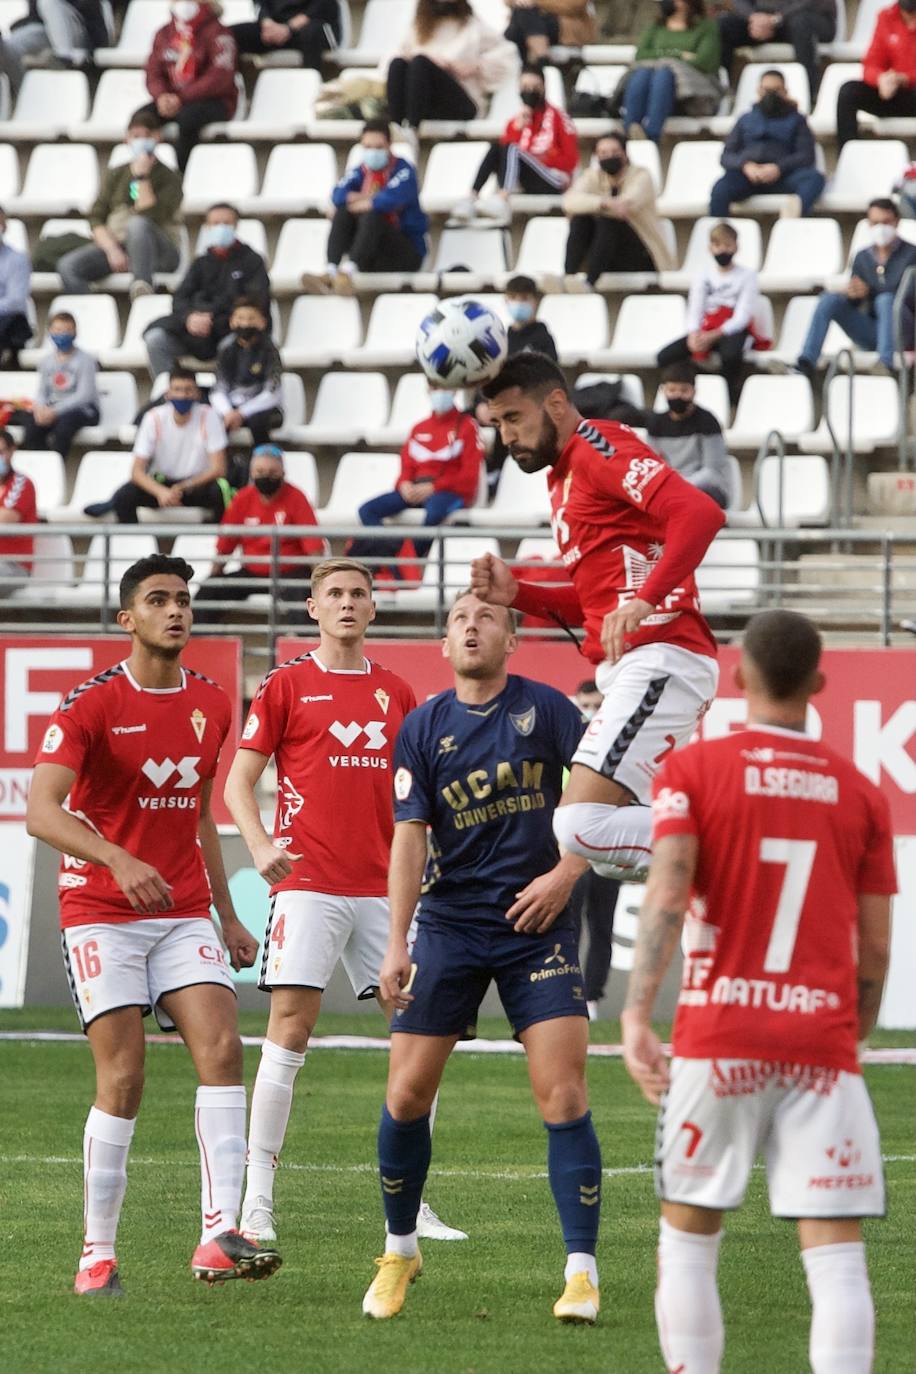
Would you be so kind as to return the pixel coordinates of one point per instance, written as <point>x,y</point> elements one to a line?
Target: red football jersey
<point>790,833</point>
<point>17,493</point>
<point>140,757</point>
<point>332,735</point>
<point>604,493</point>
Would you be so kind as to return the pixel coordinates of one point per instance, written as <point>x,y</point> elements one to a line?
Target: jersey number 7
<point>798,857</point>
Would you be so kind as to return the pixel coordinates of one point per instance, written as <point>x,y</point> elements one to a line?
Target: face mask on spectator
<point>882,235</point>
<point>678,405</point>
<point>63,341</point>
<point>724,259</point>
<point>185,10</point>
<point>441,402</point>
<point>533,99</point>
<point>773,105</point>
<point>218,236</point>
<point>268,486</point>
<point>182,404</point>
<point>520,311</point>
<point>444,9</point>
<point>248,332</point>
<point>140,147</point>
<point>375,158</point>
<point>612,165</point>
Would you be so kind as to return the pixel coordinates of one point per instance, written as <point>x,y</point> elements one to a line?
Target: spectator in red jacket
<point>267,500</point>
<point>888,87</point>
<point>440,471</point>
<point>191,72</point>
<point>537,154</point>
<point>17,507</point>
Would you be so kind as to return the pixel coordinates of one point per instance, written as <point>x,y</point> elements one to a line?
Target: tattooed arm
<point>660,920</point>
<point>874,950</point>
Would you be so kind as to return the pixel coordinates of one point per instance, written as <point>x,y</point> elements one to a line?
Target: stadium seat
<point>800,254</point>
<point>409,405</point>
<point>250,231</point>
<point>644,325</point>
<point>346,406</point>
<point>521,499</point>
<point>142,19</point>
<point>213,173</point>
<point>646,155</point>
<point>542,249</point>
<point>795,323</point>
<point>768,403</point>
<point>199,550</point>
<point>123,550</point>
<point>865,168</point>
<point>321,329</point>
<point>578,324</point>
<point>298,177</point>
<point>736,486</point>
<point>98,326</point>
<point>52,567</point>
<point>99,474</point>
<point>46,470</point>
<point>59,180</point>
<point>357,478</point>
<point>711,395</point>
<point>598,79</point>
<point>301,247</point>
<point>16,386</point>
<point>9,176</point>
<point>49,105</point>
<point>631,386</point>
<point>823,116</point>
<point>750,250</point>
<point>806,493</point>
<point>131,352</point>
<point>852,49</point>
<point>729,576</point>
<point>392,330</point>
<point>450,172</point>
<point>693,169</point>
<point>117,96</point>
<point>385,23</point>
<point>875,415</point>
<point>118,404</point>
<point>282,106</point>
<point>478,255</point>
<point>457,554</point>
<point>302,472</point>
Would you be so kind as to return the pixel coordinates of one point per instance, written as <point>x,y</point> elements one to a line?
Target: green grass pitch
<point>482,1307</point>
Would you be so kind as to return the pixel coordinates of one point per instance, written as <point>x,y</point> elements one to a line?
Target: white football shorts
<point>309,932</point>
<point>134,963</point>
<point>815,1129</point>
<point>653,700</point>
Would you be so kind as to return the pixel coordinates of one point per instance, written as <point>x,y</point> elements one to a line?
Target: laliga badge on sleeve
<point>403,782</point>
<point>251,727</point>
<point>54,738</point>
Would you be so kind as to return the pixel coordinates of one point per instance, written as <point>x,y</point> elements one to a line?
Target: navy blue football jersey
<point>486,779</point>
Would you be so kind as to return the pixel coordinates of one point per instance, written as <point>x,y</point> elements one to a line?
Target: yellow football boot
<point>580,1301</point>
<point>387,1291</point>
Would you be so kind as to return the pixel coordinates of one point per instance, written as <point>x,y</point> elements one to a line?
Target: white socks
<point>614,839</point>
<point>406,1246</point>
<point>219,1121</point>
<point>842,1316</point>
<point>580,1263</point>
<point>687,1307</point>
<point>271,1103</point>
<point>106,1142</point>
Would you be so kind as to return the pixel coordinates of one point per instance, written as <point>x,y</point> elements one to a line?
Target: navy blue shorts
<point>538,978</point>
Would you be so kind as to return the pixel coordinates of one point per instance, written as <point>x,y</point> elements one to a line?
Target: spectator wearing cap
<point>888,85</point>
<point>191,72</point>
<point>15,281</point>
<point>17,507</point>
<point>67,396</point>
<point>688,437</point>
<point>536,155</point>
<point>248,392</point>
<point>266,502</point>
<point>308,27</point>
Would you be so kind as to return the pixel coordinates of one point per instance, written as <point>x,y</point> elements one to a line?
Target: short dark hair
<point>178,373</point>
<point>785,648</point>
<point>884,203</point>
<point>522,286</point>
<point>7,438</point>
<point>248,303</point>
<point>532,69</point>
<point>680,372</point>
<point>145,119</point>
<point>62,315</point>
<point>533,373</point>
<point>378,126</point>
<point>616,134</point>
<point>588,685</point>
<point>223,205</point>
<point>155,565</point>
<point>773,71</point>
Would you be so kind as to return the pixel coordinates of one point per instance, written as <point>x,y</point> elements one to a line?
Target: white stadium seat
<point>9,175</point>
<point>99,474</point>
<point>750,250</point>
<point>215,172</point>
<point>482,252</point>
<point>46,470</point>
<point>346,406</point>
<point>357,478</point>
<point>521,499</point>
<point>823,116</point>
<point>729,576</point>
<point>693,169</point>
<point>98,326</point>
<point>142,20</point>
<point>123,550</point>
<point>52,566</point>
<point>302,472</point>
<point>49,104</point>
<point>796,79</point>
<point>409,405</point>
<point>801,253</point>
<point>767,403</point>
<point>578,324</point>
<point>131,352</point>
<point>118,404</point>
<point>875,415</point>
<point>301,247</point>
<point>450,172</point>
<point>543,246</point>
<point>298,177</point>
<point>199,550</point>
<point>392,330</point>
<point>854,48</point>
<point>865,168</point>
<point>60,179</point>
<point>646,155</point>
<point>282,106</point>
<point>644,325</point>
<point>321,330</point>
<point>805,493</point>
<point>117,96</point>
<point>385,24</point>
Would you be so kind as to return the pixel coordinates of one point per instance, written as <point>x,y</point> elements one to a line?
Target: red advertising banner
<point>867,709</point>
<point>36,673</point>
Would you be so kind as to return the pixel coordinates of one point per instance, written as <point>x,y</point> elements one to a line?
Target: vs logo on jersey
<point>374,730</point>
<point>161,773</point>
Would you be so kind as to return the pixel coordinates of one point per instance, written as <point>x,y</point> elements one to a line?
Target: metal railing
<point>841,498</point>
<point>906,376</point>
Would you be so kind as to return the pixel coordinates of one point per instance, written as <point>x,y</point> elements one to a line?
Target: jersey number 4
<point>798,858</point>
<point>278,933</point>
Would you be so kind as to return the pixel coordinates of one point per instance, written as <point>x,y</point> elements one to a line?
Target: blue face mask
<point>520,311</point>
<point>375,158</point>
<point>140,146</point>
<point>63,342</point>
<point>183,404</point>
<point>441,402</point>
<point>218,236</point>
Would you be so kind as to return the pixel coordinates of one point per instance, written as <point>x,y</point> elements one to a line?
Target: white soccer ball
<point>461,343</point>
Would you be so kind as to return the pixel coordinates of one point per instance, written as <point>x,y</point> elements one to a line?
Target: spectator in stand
<point>268,500</point>
<point>769,152</point>
<point>448,63</point>
<point>70,30</point>
<point>67,396</point>
<point>865,310</point>
<point>676,69</point>
<point>888,85</point>
<point>202,305</point>
<point>688,437</point>
<point>378,223</point>
<point>803,23</point>
<point>537,26</point>
<point>179,457</point>
<point>248,391</point>
<point>614,225</point>
<point>308,27</point>
<point>191,72</point>
<point>15,281</point>
<point>440,472</point>
<point>17,507</point>
<point>537,154</point>
<point>721,307</point>
<point>135,219</point>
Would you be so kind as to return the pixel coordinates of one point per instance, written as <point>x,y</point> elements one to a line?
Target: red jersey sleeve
<point>266,723</point>
<point>692,520</point>
<point>20,497</point>
<point>876,872</point>
<point>550,602</point>
<point>673,800</point>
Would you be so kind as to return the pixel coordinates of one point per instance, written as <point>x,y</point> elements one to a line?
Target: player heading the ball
<point>121,787</point>
<point>781,855</point>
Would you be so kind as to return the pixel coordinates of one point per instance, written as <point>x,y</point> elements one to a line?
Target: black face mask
<point>268,486</point>
<point>679,405</point>
<point>773,105</point>
<point>612,165</point>
<point>533,99</point>
<point>444,9</point>
<point>248,333</point>
<point>723,259</point>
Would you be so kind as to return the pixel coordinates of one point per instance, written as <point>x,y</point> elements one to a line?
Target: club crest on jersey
<point>198,723</point>
<point>447,744</point>
<point>382,698</point>
<point>523,721</point>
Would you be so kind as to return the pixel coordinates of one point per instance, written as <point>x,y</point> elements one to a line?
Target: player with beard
<point>632,533</point>
<point>141,864</point>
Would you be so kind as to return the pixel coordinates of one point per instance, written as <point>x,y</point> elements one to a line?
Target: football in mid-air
<point>461,343</point>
